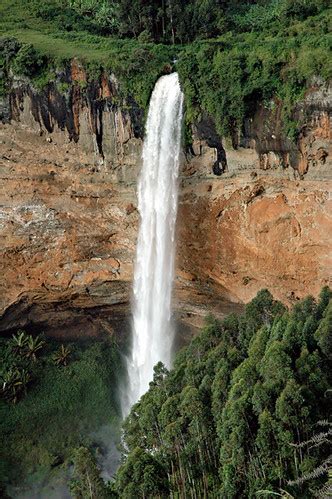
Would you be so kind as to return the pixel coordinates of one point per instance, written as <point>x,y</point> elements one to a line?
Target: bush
<point>28,62</point>
<point>9,47</point>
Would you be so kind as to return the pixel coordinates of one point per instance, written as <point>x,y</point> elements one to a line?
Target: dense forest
<point>175,21</point>
<point>244,411</point>
<point>230,54</point>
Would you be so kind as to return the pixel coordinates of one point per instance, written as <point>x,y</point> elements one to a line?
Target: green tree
<point>323,334</point>
<point>141,475</point>
<point>28,61</point>
<point>86,482</point>
<point>223,421</point>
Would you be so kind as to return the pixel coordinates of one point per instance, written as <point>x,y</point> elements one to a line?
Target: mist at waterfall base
<point>152,329</point>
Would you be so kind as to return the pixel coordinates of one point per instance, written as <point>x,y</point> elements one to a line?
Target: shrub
<point>9,47</point>
<point>28,62</point>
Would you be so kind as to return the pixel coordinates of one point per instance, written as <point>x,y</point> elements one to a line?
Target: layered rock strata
<point>253,214</point>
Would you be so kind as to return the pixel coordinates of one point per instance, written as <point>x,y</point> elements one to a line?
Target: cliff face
<point>257,215</point>
<point>266,220</point>
<point>68,216</point>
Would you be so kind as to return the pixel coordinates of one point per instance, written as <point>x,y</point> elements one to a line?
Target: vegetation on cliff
<point>230,55</point>
<point>242,412</point>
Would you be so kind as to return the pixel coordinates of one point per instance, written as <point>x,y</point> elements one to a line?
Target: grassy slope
<point>63,406</point>
<point>17,20</point>
<point>137,66</point>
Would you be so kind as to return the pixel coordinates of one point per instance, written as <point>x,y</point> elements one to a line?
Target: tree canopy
<point>229,420</point>
<point>176,21</point>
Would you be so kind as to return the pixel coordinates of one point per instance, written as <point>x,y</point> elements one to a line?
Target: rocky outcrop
<point>253,214</point>
<point>262,144</point>
<point>67,230</point>
<point>247,233</point>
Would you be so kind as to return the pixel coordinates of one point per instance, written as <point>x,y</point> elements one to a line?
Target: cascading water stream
<point>152,332</point>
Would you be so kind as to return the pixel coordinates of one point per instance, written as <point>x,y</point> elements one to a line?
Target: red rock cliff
<point>252,215</point>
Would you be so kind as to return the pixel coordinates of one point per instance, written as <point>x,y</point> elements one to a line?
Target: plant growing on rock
<point>9,47</point>
<point>28,61</point>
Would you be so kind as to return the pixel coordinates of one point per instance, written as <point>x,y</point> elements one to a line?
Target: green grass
<point>137,66</point>
<point>57,48</point>
<point>63,406</point>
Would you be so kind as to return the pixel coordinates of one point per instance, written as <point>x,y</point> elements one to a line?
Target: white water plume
<point>152,332</point>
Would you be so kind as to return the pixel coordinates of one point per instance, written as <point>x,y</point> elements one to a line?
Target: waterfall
<point>152,331</point>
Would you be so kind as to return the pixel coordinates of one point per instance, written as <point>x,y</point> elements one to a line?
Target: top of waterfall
<point>170,76</point>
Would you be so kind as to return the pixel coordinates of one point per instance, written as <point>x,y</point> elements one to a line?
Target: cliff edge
<point>254,211</point>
